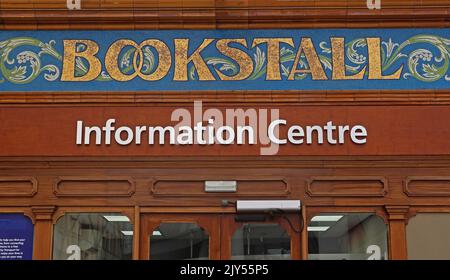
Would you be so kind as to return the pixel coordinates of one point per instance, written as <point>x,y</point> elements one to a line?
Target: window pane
<point>179,241</point>
<point>351,236</point>
<point>16,237</point>
<point>428,236</point>
<point>260,242</point>
<point>93,236</point>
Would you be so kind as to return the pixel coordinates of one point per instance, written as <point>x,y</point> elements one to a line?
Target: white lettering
<point>309,133</point>
<point>129,135</point>
<point>162,134</point>
<point>358,131</point>
<point>217,133</point>
<point>98,135</point>
<point>108,129</point>
<point>79,132</point>
<point>342,130</point>
<point>294,132</point>
<point>229,135</point>
<point>273,125</point>
<point>241,132</point>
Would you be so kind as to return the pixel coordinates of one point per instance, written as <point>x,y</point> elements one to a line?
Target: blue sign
<point>16,237</point>
<point>196,60</point>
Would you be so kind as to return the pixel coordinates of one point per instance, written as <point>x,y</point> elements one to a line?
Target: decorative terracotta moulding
<point>211,14</point>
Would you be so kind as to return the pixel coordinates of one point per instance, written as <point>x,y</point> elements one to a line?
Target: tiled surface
<point>211,14</point>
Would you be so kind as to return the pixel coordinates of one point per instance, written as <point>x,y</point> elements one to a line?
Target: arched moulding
<point>18,186</point>
<point>27,212</point>
<point>126,211</point>
<point>155,226</point>
<point>412,213</point>
<point>378,211</point>
<point>420,209</point>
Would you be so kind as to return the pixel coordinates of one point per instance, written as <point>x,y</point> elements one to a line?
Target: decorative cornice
<point>221,162</point>
<point>43,212</point>
<point>397,212</point>
<point>332,97</point>
<point>194,14</point>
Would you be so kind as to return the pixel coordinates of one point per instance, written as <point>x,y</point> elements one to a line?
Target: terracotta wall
<point>392,130</point>
<point>241,14</point>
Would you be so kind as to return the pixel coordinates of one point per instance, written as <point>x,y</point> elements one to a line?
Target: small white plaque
<point>220,186</point>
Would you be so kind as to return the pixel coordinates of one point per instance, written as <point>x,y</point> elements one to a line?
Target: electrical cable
<point>283,215</point>
<point>227,202</point>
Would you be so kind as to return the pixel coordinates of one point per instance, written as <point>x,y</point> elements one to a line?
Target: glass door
<point>254,238</point>
<point>220,236</point>
<point>180,237</point>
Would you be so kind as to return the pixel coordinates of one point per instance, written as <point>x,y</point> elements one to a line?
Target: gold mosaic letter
<point>338,53</point>
<point>315,66</point>
<point>375,70</point>
<point>70,54</point>
<point>242,59</point>
<point>182,60</point>
<point>273,55</point>
<point>112,55</point>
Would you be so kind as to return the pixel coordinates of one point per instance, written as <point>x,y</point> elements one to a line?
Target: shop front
<point>264,142</point>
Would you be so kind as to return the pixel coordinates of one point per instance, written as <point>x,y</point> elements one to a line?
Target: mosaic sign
<point>187,60</point>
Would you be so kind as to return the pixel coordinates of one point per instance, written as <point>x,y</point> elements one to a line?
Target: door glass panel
<point>260,242</point>
<point>179,241</point>
<point>428,236</point>
<point>347,236</point>
<point>93,236</point>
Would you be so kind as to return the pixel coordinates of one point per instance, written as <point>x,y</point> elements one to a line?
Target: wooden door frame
<point>208,222</point>
<point>220,228</point>
<point>229,226</point>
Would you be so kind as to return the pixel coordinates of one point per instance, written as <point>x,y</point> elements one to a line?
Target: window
<point>16,237</point>
<point>93,236</point>
<point>179,241</point>
<point>428,236</point>
<point>347,236</point>
<point>260,242</point>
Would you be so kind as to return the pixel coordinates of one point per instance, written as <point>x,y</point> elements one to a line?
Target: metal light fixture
<point>268,205</point>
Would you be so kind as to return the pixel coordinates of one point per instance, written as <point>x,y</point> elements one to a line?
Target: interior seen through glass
<point>179,241</point>
<point>109,236</point>
<point>428,236</point>
<point>347,236</point>
<point>93,236</point>
<point>260,242</point>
